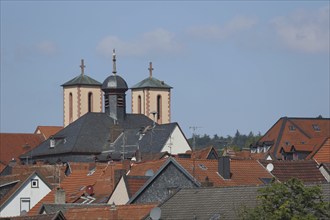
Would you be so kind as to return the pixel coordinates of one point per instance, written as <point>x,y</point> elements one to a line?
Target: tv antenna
<point>194,128</point>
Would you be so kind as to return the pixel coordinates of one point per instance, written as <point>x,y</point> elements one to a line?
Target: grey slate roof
<point>98,135</point>
<point>114,82</point>
<point>151,82</point>
<point>82,79</point>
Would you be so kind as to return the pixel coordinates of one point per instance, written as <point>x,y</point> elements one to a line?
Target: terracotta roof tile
<point>123,212</point>
<point>305,170</point>
<point>134,183</point>
<point>12,145</point>
<point>323,154</point>
<point>75,185</point>
<point>48,131</point>
<point>140,169</point>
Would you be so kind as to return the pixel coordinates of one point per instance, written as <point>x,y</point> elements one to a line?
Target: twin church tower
<point>83,94</point>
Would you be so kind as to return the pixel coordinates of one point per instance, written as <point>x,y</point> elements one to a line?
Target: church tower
<point>152,98</point>
<point>81,94</point>
<point>114,88</point>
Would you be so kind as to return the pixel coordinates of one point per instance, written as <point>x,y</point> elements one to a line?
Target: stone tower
<point>152,98</point>
<point>81,94</point>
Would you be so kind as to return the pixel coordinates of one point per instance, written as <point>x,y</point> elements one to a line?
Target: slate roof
<point>208,203</point>
<point>89,135</point>
<point>82,79</point>
<point>100,176</point>
<point>151,82</point>
<point>12,145</point>
<point>48,131</point>
<point>305,170</point>
<point>323,154</point>
<point>213,203</point>
<point>288,131</point>
<point>114,82</point>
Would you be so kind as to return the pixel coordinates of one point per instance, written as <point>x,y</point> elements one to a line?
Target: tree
<point>290,200</point>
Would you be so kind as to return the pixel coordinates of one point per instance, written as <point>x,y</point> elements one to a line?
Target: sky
<point>233,65</point>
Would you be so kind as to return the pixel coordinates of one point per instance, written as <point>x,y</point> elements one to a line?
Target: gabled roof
<point>17,182</point>
<point>151,82</point>
<point>323,154</point>
<point>305,170</point>
<point>204,153</point>
<point>82,79</point>
<point>288,131</point>
<point>54,216</point>
<point>48,131</point>
<point>134,183</point>
<point>100,176</point>
<point>12,145</point>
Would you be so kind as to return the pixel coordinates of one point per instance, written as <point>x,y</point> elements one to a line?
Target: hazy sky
<point>232,65</point>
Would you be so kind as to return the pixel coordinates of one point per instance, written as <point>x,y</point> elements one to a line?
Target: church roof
<point>96,133</point>
<point>151,82</point>
<point>82,79</point>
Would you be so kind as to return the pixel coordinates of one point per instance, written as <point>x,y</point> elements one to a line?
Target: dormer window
<point>316,127</point>
<point>52,143</point>
<point>292,128</point>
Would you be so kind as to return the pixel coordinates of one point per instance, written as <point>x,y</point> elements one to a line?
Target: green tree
<point>290,200</point>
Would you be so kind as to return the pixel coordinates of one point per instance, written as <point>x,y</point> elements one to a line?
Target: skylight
<point>316,127</point>
<point>202,166</point>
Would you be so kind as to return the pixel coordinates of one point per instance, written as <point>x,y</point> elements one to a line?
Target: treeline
<point>238,142</point>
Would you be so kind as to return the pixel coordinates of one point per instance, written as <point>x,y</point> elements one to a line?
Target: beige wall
<point>80,102</point>
<point>149,103</point>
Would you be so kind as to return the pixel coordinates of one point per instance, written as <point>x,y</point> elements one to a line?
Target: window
<point>24,205</point>
<point>120,101</point>
<point>52,142</point>
<point>316,127</point>
<point>34,183</point>
<point>139,104</point>
<point>70,108</point>
<point>159,107</point>
<point>90,102</point>
<point>292,128</point>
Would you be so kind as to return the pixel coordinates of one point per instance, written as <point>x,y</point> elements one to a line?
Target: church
<point>98,128</point>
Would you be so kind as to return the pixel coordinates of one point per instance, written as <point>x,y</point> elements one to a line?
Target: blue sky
<point>233,65</point>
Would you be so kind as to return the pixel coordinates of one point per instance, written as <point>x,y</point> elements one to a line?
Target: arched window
<point>70,108</point>
<point>139,104</point>
<point>159,107</point>
<point>90,102</point>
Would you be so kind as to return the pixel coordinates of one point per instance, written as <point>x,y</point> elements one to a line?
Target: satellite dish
<point>155,213</point>
<point>133,159</point>
<point>270,167</point>
<point>90,190</point>
<point>149,172</point>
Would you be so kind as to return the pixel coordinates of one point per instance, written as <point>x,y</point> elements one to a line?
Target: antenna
<point>270,167</point>
<point>194,128</point>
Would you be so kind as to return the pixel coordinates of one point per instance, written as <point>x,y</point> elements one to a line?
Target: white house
<point>19,193</point>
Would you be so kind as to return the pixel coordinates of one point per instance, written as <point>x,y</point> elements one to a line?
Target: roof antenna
<point>114,71</point>
<point>82,67</point>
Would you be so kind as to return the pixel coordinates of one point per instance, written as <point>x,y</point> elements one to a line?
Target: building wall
<point>170,179</point>
<point>177,143</point>
<point>120,195</point>
<point>12,207</point>
<point>149,103</point>
<point>80,102</point>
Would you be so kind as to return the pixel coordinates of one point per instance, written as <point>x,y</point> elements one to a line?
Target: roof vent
<point>149,172</point>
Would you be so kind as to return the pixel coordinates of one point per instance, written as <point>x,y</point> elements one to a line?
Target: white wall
<point>12,207</point>
<point>120,195</point>
<point>177,143</point>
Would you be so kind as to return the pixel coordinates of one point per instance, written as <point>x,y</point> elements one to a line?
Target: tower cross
<point>150,69</point>
<point>82,67</point>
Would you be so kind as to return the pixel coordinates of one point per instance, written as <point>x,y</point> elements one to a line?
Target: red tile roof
<point>48,131</point>
<point>121,212</point>
<point>203,153</point>
<point>323,154</point>
<point>310,132</point>
<point>305,170</point>
<point>134,183</point>
<point>75,185</point>
<point>140,169</point>
<point>12,145</point>
<point>243,172</point>
<point>245,155</point>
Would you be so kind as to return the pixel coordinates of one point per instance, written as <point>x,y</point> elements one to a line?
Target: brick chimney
<point>224,167</point>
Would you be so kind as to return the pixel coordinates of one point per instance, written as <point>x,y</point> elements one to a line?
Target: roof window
<point>202,166</point>
<point>292,128</point>
<point>316,127</point>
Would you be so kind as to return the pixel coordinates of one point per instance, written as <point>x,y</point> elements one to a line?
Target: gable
<point>176,142</point>
<point>120,193</point>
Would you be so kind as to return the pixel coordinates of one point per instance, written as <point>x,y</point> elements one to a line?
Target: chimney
<point>207,182</point>
<point>59,196</point>
<point>224,167</point>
